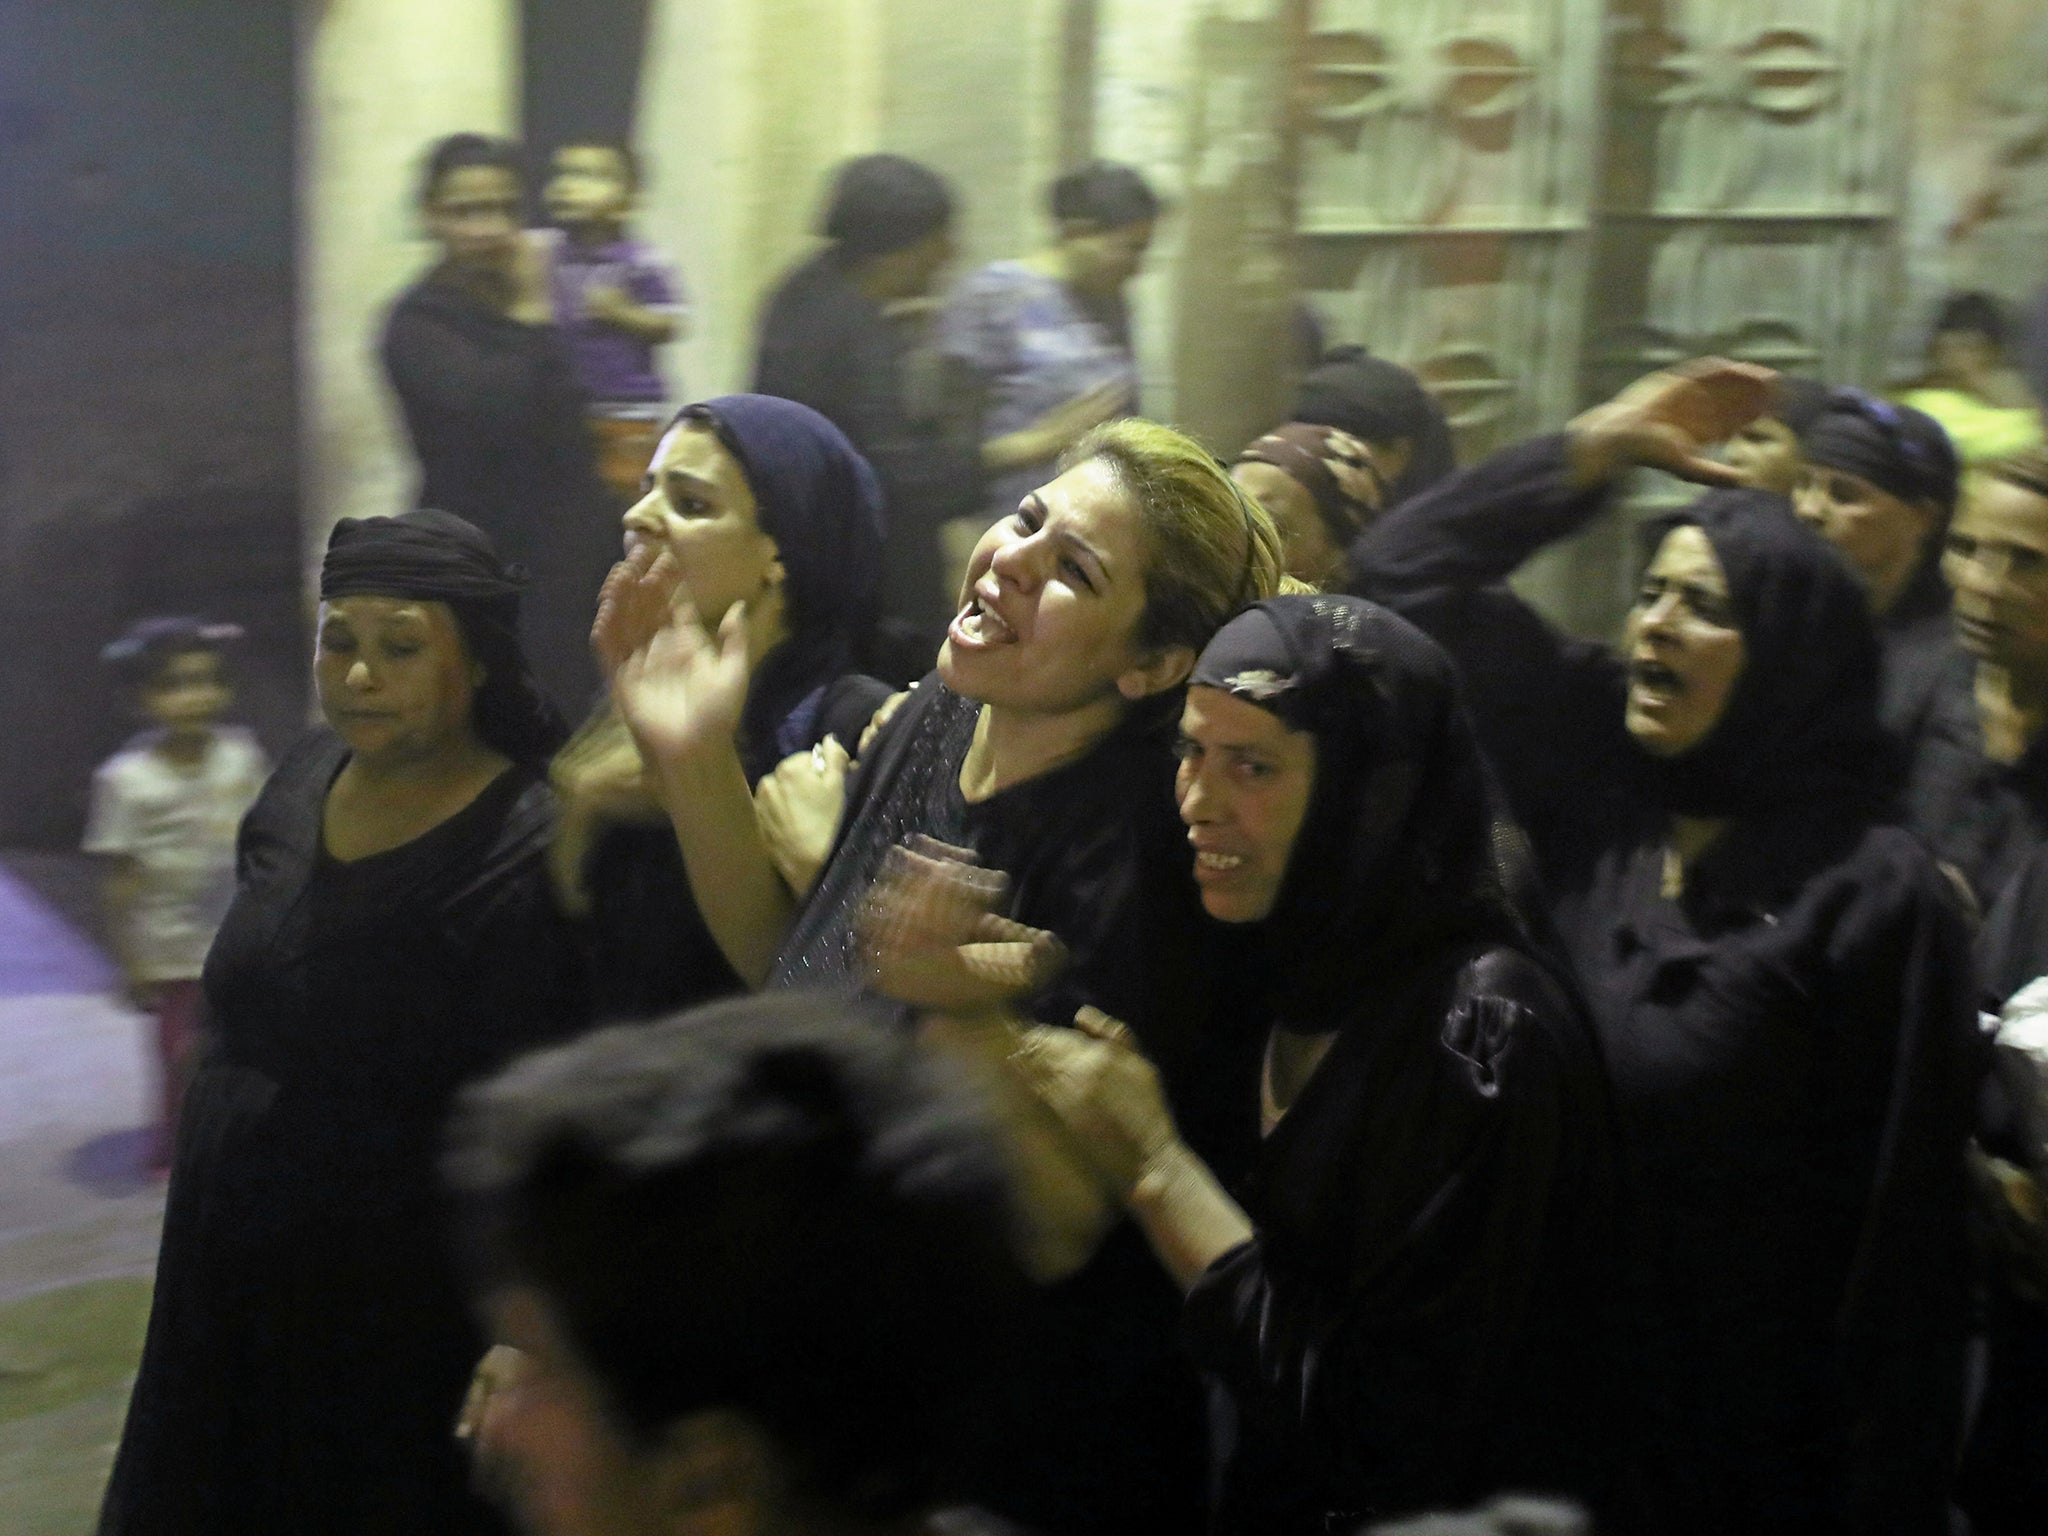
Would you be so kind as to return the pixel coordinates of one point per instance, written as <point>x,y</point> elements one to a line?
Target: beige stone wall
<point>378,81</point>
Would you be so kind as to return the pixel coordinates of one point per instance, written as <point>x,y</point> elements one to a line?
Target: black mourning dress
<point>1100,1428</point>
<point>1426,1313</point>
<point>1791,1043</point>
<point>309,1346</point>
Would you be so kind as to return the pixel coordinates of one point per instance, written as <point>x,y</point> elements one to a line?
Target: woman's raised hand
<point>936,942</point>
<point>679,688</point>
<point>1669,419</point>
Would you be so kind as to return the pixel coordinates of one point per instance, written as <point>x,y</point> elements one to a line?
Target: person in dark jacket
<point>1408,1308</point>
<point>489,397</point>
<point>843,335</point>
<point>1780,979</point>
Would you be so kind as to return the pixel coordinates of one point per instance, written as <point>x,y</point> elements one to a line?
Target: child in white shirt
<point>165,809</point>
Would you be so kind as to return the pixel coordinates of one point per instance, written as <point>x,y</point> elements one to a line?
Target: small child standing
<point>165,810</point>
<point>616,299</point>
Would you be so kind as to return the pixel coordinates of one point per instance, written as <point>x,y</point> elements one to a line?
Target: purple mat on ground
<point>40,952</point>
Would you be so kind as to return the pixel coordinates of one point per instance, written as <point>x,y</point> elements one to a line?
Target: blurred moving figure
<point>392,936</point>
<point>754,1263</point>
<point>1971,388</point>
<point>164,813</point>
<point>1045,341</point>
<point>1764,453</point>
<point>489,395</point>
<point>616,298</point>
<point>1387,407</point>
<point>848,334</point>
<point>1780,980</point>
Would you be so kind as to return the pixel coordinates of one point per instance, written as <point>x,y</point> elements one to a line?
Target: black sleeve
<point>1548,708</point>
<point>1910,1047</point>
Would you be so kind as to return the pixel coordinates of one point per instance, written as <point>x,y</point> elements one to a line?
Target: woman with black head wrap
<point>760,501</point>
<point>1385,405</point>
<point>845,334</point>
<point>1409,1307</point>
<point>392,935</point>
<point>1779,979</point>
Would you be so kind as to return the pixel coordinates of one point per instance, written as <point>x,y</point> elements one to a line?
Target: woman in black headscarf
<point>1779,979</point>
<point>1879,483</point>
<point>1321,486</point>
<point>1385,405</point>
<point>760,501</point>
<point>391,937</point>
<point>1409,1307</point>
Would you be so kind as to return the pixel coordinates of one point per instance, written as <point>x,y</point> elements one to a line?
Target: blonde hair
<point>1212,549</point>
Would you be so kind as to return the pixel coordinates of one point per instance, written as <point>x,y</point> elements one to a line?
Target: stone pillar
<point>378,81</point>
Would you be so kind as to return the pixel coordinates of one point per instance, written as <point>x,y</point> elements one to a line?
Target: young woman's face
<point>1766,454</point>
<point>1881,536</point>
<point>1244,785</point>
<point>1308,551</point>
<point>474,216</point>
<point>1684,650</point>
<point>188,692</point>
<point>1997,562</point>
<point>699,507</point>
<point>394,677</point>
<point>1049,612</point>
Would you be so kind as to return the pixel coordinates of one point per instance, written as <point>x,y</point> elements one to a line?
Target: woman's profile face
<point>1684,650</point>
<point>1882,537</point>
<point>1305,544</point>
<point>1766,454</point>
<point>394,677</point>
<point>699,507</point>
<point>1049,612</point>
<point>1244,785</point>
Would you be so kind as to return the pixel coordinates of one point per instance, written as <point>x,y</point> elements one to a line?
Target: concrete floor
<point>78,1216</point>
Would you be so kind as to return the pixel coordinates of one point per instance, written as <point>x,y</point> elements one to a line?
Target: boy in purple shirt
<point>616,299</point>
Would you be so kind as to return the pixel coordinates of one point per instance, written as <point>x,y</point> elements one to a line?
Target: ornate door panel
<point>1752,183</point>
<point>1446,175</point>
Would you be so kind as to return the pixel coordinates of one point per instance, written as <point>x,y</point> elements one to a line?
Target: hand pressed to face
<point>699,507</point>
<point>1050,609</point>
<point>394,677</point>
<point>1684,650</point>
<point>1244,786</point>
<point>680,689</point>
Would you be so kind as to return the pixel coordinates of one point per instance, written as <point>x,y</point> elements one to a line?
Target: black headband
<point>430,555</point>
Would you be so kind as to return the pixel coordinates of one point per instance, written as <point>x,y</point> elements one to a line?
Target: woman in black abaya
<point>1779,978</point>
<point>391,937</point>
<point>1409,1309</point>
